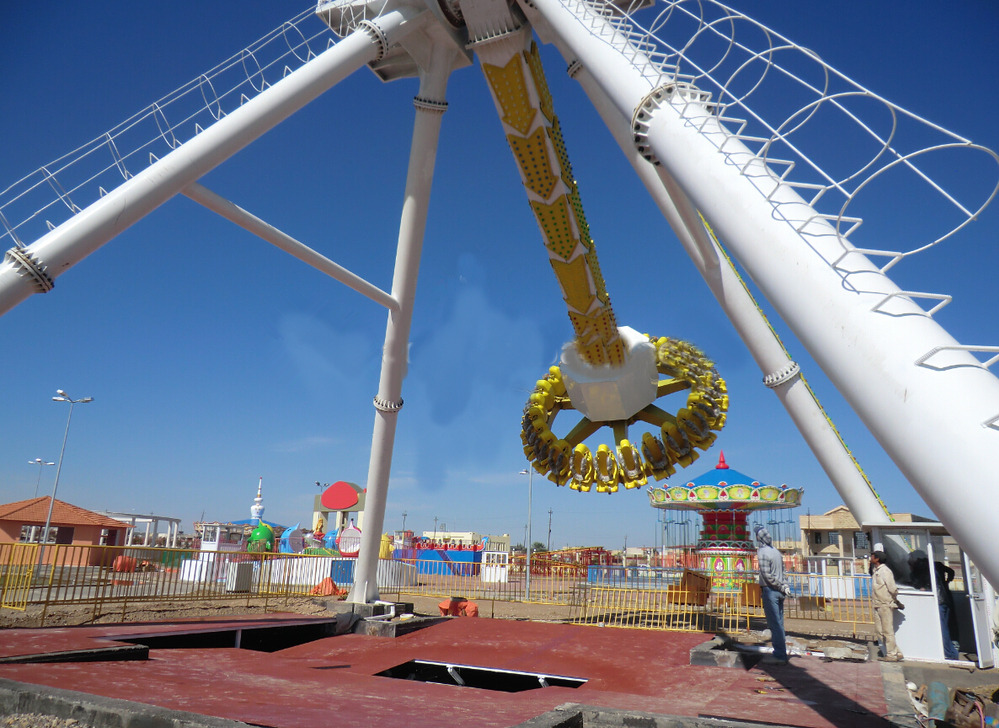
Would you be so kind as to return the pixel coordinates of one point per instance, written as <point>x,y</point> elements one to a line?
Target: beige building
<point>834,539</point>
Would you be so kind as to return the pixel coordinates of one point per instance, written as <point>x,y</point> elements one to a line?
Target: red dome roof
<point>340,496</point>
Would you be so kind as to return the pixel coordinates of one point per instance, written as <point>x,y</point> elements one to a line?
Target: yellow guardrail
<point>719,602</point>
<point>17,561</point>
<point>112,577</point>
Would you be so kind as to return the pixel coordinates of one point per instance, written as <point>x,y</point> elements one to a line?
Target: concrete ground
<point>191,673</point>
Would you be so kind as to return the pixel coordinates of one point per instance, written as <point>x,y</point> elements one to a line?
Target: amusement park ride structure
<point>716,113</point>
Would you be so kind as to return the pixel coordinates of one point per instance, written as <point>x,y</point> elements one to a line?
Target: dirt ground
<point>803,636</point>
<point>68,615</point>
<point>74,614</point>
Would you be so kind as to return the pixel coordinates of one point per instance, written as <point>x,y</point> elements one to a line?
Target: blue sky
<point>214,359</point>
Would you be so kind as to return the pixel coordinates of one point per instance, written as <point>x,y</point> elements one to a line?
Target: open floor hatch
<point>484,678</point>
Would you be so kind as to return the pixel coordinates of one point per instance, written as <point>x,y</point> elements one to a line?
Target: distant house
<point>835,536</point>
<point>24,521</point>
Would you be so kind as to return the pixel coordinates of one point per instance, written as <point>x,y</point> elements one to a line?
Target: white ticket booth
<point>495,566</point>
<point>922,567</point>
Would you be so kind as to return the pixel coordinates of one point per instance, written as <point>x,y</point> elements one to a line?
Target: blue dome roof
<point>724,475</point>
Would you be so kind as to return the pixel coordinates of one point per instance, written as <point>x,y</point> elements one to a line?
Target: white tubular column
<point>32,269</point>
<point>781,374</point>
<point>935,418</point>
<point>430,106</point>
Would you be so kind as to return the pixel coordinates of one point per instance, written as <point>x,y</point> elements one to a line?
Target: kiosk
<point>912,550</point>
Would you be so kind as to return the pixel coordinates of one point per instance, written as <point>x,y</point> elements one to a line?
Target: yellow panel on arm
<point>540,82</point>
<point>606,326</point>
<point>597,337</point>
<point>543,163</point>
<point>592,352</point>
<point>598,277</point>
<point>615,352</point>
<point>575,282</point>
<point>555,224</point>
<point>535,167</point>
<point>510,89</point>
<point>563,156</point>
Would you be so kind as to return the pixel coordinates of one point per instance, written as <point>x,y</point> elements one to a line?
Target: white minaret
<point>257,509</point>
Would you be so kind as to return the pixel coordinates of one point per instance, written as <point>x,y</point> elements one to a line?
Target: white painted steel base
<point>430,107</point>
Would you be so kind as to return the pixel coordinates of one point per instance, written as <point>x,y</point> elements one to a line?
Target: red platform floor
<point>335,677</point>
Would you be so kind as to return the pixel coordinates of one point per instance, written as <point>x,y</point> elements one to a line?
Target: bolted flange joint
<point>31,267</point>
<point>779,377</point>
<point>386,406</point>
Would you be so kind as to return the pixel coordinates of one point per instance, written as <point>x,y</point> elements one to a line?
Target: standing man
<point>945,603</point>
<point>884,599</point>
<point>773,588</point>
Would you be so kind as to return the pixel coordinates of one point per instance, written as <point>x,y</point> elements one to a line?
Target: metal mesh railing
<point>784,103</point>
<point>44,199</point>
<point>112,577</point>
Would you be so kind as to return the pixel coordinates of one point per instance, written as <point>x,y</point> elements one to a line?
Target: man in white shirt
<point>884,599</point>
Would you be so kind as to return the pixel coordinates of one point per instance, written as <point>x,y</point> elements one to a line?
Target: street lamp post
<point>529,472</point>
<point>41,466</point>
<point>62,397</point>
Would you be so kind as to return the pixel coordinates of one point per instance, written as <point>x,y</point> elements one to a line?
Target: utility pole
<point>404,514</point>
<point>435,528</point>
<point>549,529</point>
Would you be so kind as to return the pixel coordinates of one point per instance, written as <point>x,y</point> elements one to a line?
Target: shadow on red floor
<point>336,677</point>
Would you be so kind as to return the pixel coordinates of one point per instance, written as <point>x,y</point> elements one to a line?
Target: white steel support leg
<point>742,311</point>
<point>931,406</point>
<point>32,269</point>
<point>430,106</point>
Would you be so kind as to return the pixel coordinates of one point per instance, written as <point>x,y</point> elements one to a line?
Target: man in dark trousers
<point>773,589</point>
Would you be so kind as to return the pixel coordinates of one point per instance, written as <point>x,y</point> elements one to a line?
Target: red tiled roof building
<point>23,521</point>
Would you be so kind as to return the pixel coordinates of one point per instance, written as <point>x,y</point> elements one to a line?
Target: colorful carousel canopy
<point>724,489</point>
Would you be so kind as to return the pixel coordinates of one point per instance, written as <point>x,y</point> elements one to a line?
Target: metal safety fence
<point>17,562</point>
<point>550,582</point>
<point>112,577</point>
<point>720,601</point>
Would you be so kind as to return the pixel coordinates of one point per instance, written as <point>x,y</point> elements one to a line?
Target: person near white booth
<point>884,599</point>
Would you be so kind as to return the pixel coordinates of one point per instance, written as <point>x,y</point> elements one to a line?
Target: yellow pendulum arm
<point>512,68</point>
<point>532,130</point>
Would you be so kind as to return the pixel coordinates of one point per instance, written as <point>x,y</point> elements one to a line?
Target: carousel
<point>724,498</point>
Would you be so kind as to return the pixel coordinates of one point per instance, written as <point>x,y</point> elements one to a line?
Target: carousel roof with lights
<point>724,489</point>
